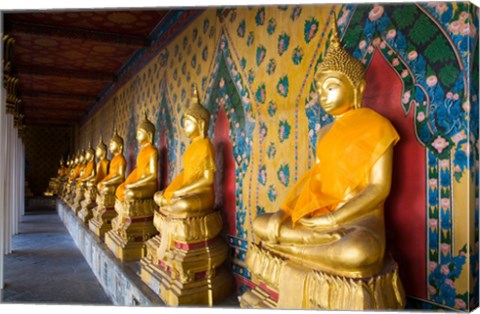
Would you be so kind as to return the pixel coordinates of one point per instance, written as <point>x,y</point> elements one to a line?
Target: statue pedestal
<point>103,215</point>
<point>131,228</point>
<point>87,205</point>
<point>284,284</point>
<point>79,197</point>
<point>185,264</point>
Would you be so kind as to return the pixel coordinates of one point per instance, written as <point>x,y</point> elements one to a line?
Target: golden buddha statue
<point>105,211</point>
<point>134,201</point>
<point>75,174</point>
<point>328,238</point>
<point>88,173</point>
<point>85,214</point>
<point>185,262</point>
<point>55,183</point>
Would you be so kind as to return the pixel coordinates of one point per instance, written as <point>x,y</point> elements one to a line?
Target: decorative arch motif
<point>226,89</point>
<point>165,122</point>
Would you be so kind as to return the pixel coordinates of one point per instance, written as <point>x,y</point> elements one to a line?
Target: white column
<point>3,154</point>
<point>22,179</point>
<point>8,185</point>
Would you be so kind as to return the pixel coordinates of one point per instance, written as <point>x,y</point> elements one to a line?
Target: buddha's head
<point>145,131</point>
<point>116,143</point>
<point>340,79</point>
<point>81,157</point>
<point>68,162</point>
<point>101,149</point>
<point>76,160</point>
<point>196,118</point>
<point>89,153</point>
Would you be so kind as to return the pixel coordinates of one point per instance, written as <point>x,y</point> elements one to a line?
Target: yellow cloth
<point>142,165</point>
<point>76,173</point>
<point>102,170</point>
<point>88,171</point>
<point>198,158</point>
<point>346,153</point>
<point>116,164</point>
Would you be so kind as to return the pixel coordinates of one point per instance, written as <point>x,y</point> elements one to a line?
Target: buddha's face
<point>190,126</point>
<point>100,153</point>
<point>336,93</point>
<point>113,147</point>
<point>142,136</point>
<point>88,155</point>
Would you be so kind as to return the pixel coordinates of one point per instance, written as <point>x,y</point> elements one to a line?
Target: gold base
<point>86,213</point>
<point>199,292</point>
<point>185,264</point>
<point>103,224</point>
<point>132,227</point>
<point>281,283</point>
<point>124,250</point>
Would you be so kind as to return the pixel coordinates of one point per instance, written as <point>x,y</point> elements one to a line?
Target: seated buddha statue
<point>105,210</point>
<point>188,253</point>
<point>141,183</point>
<point>91,184</point>
<point>191,192</point>
<point>54,185</point>
<point>332,220</point>
<point>76,173</point>
<point>134,200</point>
<point>87,174</point>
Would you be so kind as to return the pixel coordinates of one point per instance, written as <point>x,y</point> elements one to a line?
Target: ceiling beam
<point>65,73</point>
<point>46,106</point>
<point>78,97</point>
<point>63,122</point>
<point>78,33</point>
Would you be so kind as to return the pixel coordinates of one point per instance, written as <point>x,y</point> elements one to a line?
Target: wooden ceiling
<point>64,61</point>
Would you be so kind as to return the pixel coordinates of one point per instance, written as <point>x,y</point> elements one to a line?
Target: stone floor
<point>46,267</point>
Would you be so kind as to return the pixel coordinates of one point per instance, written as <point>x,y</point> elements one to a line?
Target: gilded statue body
<point>85,214</point>
<point>134,200</point>
<point>88,173</point>
<point>186,218</point>
<point>191,192</point>
<point>76,173</point>
<point>55,185</point>
<point>105,211</point>
<point>332,220</point>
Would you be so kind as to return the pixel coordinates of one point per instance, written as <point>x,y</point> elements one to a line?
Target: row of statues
<point>324,248</point>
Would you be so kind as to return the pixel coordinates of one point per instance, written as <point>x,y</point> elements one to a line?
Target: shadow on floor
<point>46,267</point>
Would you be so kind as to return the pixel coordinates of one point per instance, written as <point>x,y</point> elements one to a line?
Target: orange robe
<point>102,170</point>
<point>76,173</point>
<point>346,155</point>
<point>142,165</point>
<point>198,158</point>
<point>116,164</point>
<point>88,171</point>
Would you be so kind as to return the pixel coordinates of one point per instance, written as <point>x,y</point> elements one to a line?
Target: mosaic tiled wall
<point>257,63</point>
<point>44,147</point>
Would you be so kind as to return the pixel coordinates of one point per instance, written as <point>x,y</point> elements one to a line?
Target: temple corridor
<point>43,241</point>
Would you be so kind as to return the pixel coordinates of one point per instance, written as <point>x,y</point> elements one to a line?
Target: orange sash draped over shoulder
<point>88,171</point>
<point>142,167</point>
<point>116,164</point>
<point>198,158</point>
<point>76,173</point>
<point>102,170</point>
<point>346,155</point>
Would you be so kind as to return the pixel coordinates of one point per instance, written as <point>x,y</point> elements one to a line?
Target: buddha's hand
<point>159,198</point>
<point>323,221</point>
<point>274,224</point>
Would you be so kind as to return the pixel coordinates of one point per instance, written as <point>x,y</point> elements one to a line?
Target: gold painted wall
<point>257,63</point>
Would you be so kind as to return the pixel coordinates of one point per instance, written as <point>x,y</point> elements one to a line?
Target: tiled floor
<point>46,267</point>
